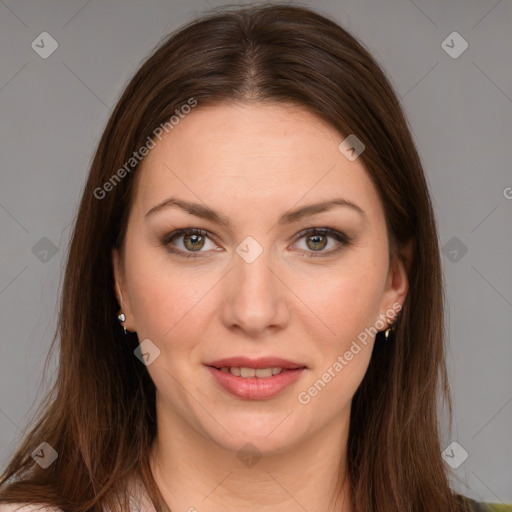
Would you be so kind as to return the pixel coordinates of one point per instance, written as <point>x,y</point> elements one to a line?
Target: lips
<point>260,362</point>
<point>234,375</point>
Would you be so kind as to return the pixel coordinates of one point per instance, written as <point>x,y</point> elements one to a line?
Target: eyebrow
<point>289,217</point>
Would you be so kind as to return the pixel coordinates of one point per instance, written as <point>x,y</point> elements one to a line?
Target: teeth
<point>260,373</point>
<point>247,372</point>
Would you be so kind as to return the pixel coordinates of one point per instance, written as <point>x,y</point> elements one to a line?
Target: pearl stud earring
<point>122,317</point>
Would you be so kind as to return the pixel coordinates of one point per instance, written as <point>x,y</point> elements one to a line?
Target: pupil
<point>195,238</point>
<point>315,239</point>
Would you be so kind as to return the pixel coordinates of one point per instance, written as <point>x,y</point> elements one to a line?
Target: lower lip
<point>253,388</point>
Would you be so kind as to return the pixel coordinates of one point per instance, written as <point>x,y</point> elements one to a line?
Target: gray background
<point>460,112</point>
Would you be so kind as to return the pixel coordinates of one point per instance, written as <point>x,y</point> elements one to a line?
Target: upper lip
<point>259,362</point>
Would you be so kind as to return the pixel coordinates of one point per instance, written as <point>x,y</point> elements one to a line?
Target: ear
<point>120,290</point>
<point>397,284</point>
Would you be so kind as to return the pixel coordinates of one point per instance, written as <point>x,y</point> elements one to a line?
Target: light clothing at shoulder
<point>139,501</point>
<point>22,507</point>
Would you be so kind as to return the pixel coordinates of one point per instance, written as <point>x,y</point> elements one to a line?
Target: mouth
<point>259,373</point>
<point>255,379</point>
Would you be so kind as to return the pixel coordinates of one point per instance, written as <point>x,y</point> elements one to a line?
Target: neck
<point>194,474</point>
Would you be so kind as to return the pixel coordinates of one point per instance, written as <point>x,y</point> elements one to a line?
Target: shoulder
<point>476,506</point>
<point>26,507</point>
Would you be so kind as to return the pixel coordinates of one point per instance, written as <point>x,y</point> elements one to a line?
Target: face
<point>265,282</point>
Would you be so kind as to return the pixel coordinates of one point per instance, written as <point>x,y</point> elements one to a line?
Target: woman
<point>252,313</point>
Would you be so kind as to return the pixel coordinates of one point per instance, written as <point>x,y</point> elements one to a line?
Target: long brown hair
<point>100,415</point>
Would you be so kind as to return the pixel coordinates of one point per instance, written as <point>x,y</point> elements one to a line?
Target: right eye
<point>193,240</point>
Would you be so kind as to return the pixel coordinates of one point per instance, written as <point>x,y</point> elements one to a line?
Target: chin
<point>267,434</point>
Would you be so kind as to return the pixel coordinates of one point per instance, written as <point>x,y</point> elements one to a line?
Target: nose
<point>256,299</point>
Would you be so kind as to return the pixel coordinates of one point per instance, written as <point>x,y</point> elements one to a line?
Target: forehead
<point>252,155</point>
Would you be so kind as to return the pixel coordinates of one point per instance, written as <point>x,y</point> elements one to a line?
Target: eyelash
<point>343,239</point>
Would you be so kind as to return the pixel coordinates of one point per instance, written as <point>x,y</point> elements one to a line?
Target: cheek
<point>347,299</point>
<point>165,301</point>
<point>348,306</point>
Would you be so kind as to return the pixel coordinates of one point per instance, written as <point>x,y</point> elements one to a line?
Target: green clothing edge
<point>476,506</point>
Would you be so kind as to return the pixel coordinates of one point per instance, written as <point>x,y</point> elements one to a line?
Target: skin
<point>252,163</point>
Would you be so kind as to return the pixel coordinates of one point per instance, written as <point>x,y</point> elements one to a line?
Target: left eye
<point>316,240</point>
<point>194,240</point>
